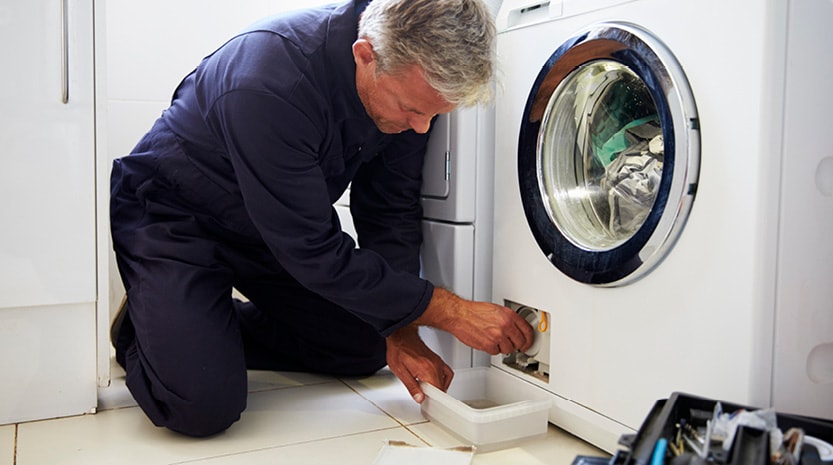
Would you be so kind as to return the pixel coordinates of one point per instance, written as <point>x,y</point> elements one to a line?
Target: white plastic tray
<point>487,408</point>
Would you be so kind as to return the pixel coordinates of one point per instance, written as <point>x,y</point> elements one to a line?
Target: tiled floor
<point>291,419</point>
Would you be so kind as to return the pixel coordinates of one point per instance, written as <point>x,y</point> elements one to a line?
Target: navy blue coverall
<point>233,187</point>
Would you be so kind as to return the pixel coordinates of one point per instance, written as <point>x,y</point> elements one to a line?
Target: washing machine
<point>664,204</point>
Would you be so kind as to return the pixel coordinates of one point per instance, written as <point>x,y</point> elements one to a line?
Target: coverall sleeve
<point>385,203</point>
<point>279,156</point>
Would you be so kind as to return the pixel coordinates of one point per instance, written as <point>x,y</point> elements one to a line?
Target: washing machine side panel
<point>803,372</point>
<point>737,79</point>
<point>617,350</point>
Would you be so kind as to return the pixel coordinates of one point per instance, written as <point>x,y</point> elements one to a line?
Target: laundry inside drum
<point>600,155</point>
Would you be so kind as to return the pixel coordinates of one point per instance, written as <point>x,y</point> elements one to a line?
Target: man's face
<point>400,102</point>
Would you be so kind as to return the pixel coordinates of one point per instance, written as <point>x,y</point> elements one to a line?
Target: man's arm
<point>482,325</point>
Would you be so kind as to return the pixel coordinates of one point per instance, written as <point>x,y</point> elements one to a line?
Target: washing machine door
<point>608,156</point>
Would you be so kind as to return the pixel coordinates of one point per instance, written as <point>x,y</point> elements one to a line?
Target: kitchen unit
<point>48,282</point>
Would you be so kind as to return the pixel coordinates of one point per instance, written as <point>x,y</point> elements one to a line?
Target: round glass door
<point>608,155</point>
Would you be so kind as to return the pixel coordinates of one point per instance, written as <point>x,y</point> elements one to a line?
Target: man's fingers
<point>435,378</point>
<point>529,335</point>
<point>448,375</point>
<point>520,334</point>
<point>413,362</point>
<point>517,338</point>
<point>411,384</point>
<point>523,337</point>
<point>419,396</point>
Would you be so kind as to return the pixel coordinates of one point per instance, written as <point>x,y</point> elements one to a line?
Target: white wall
<point>152,45</point>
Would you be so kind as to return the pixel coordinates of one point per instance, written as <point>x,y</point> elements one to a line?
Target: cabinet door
<point>47,188</point>
<point>449,173</point>
<point>448,262</point>
<point>435,173</point>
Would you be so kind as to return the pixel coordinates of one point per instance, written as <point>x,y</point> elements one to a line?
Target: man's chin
<point>390,128</point>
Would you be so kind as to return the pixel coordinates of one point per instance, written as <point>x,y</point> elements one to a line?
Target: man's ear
<point>363,53</point>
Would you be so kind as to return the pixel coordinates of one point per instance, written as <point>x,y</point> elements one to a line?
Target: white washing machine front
<point>683,293</point>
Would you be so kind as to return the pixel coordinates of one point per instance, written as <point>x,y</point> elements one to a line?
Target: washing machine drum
<point>608,156</point>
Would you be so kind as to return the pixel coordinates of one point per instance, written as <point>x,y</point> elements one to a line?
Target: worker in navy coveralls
<point>233,187</point>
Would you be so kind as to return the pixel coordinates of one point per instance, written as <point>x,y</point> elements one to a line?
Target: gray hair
<point>452,40</point>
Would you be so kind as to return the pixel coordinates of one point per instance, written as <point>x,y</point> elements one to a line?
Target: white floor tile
<point>291,418</point>
<point>386,391</point>
<point>359,449</point>
<point>116,395</point>
<point>267,380</point>
<point>7,445</point>
<point>273,418</point>
<point>556,448</point>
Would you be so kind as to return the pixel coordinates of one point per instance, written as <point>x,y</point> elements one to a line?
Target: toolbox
<point>691,430</point>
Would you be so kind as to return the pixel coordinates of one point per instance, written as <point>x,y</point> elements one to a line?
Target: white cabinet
<point>47,209</point>
<point>457,202</point>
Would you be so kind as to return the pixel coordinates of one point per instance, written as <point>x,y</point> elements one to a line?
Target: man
<point>233,188</point>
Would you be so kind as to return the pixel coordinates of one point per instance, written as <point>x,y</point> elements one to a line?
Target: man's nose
<point>420,124</point>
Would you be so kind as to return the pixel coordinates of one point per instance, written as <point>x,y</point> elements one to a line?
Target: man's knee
<point>188,404</point>
<point>208,413</point>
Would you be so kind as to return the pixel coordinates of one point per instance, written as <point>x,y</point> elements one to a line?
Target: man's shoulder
<point>308,29</point>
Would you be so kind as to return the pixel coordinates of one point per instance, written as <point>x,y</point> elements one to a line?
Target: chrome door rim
<point>624,260</point>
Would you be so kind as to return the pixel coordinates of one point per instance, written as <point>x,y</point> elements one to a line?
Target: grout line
<point>292,444</point>
<point>14,451</point>
<point>372,403</point>
<point>424,441</point>
<point>290,386</point>
<point>401,423</point>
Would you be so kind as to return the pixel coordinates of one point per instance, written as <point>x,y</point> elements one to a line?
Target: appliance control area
<point>535,361</point>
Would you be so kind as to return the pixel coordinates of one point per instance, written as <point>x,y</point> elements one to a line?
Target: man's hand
<point>412,361</point>
<point>482,325</point>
